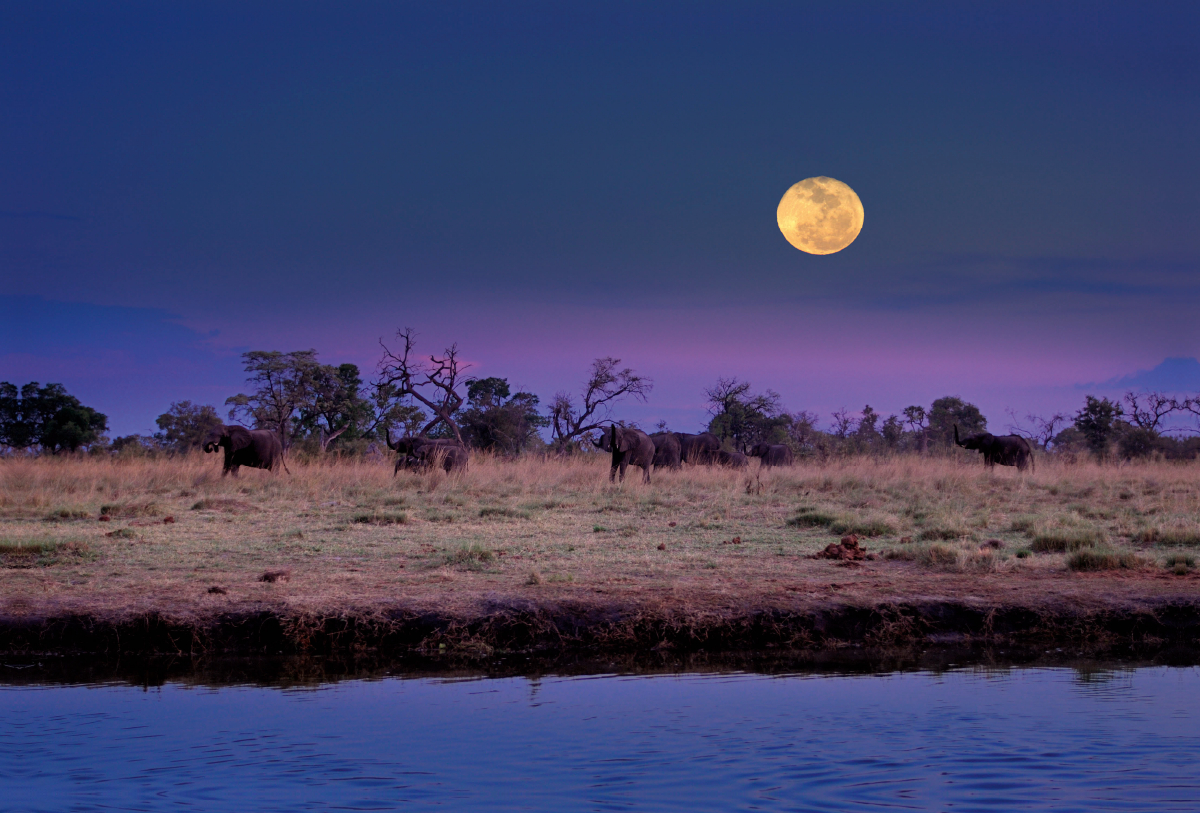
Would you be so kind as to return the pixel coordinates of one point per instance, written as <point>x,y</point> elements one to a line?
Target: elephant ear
<point>239,438</point>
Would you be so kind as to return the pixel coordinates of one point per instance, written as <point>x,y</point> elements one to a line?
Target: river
<point>1090,738</point>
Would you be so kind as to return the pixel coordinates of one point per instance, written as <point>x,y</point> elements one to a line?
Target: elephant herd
<point>670,450</point>
<point>261,449</point>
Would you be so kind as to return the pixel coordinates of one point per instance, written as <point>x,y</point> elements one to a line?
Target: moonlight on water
<point>820,215</point>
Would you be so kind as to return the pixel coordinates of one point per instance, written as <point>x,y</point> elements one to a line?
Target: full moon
<point>820,215</point>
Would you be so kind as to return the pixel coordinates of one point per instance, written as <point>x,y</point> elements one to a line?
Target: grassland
<point>114,538</point>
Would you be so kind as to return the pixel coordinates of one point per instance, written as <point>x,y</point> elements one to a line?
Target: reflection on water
<point>1019,739</point>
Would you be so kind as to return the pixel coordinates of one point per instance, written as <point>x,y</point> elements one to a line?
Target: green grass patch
<point>132,509</point>
<point>1090,559</point>
<point>1065,540</point>
<point>1169,537</point>
<point>503,512</point>
<point>862,527</point>
<point>24,553</point>
<point>1023,524</point>
<point>382,518</point>
<point>66,514</point>
<point>1180,563</point>
<point>470,557</point>
<point>807,517</point>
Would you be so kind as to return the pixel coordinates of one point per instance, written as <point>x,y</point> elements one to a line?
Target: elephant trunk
<point>210,447</point>
<point>957,442</point>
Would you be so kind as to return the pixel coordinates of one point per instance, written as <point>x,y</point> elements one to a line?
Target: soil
<point>807,605</point>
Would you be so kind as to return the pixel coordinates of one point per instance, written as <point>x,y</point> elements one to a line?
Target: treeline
<point>321,409</point>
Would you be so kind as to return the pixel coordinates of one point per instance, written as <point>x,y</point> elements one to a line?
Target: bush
<point>470,557</point>
<point>382,518</point>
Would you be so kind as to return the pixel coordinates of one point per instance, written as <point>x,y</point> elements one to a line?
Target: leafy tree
<point>335,406</point>
<point>283,385</point>
<point>496,420</point>
<point>892,432</point>
<point>48,417</point>
<point>1097,422</point>
<point>606,384</point>
<point>185,425</point>
<point>744,418</point>
<point>917,421</point>
<point>947,412</point>
<point>866,434</point>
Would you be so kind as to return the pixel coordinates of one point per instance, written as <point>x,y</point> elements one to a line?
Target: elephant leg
<point>234,471</point>
<point>646,474</point>
<point>612,474</point>
<point>624,466</point>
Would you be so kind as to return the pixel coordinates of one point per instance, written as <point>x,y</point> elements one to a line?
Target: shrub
<point>938,555</point>
<point>1065,540</point>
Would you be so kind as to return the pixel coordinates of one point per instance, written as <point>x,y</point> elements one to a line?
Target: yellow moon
<point>820,215</point>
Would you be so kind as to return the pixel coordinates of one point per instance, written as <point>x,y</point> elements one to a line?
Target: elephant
<point>697,449</point>
<point>630,447</point>
<point>772,454</point>
<point>734,460</point>
<point>667,453</point>
<point>253,448</point>
<point>1006,450</point>
<point>420,453</point>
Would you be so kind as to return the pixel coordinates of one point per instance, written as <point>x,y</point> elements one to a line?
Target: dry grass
<point>348,531</point>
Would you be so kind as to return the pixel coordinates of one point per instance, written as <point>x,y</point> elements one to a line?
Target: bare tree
<point>434,383</point>
<point>1041,430</point>
<point>1148,409</point>
<point>605,386</point>
<point>843,419</point>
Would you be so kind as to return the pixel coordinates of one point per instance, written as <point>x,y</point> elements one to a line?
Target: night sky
<point>549,183</point>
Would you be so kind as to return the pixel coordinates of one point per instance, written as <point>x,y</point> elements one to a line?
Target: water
<point>970,740</point>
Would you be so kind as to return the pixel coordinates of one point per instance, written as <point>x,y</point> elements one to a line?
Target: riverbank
<point>536,556</point>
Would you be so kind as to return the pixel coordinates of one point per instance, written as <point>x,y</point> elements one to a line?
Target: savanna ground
<point>118,537</point>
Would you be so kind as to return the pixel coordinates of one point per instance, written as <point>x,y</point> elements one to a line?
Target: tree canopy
<point>47,417</point>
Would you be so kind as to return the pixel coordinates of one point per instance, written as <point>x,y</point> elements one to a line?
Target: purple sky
<point>548,184</point>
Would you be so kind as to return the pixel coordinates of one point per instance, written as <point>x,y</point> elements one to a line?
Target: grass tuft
<point>1102,559</point>
<point>470,557</point>
<point>382,518</point>
<point>501,511</point>
<point>1169,537</point>
<point>1066,540</point>
<point>24,553</point>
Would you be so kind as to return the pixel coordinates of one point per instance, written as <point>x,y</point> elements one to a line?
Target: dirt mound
<point>846,550</point>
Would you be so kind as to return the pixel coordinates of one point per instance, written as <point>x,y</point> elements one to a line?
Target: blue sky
<point>548,183</point>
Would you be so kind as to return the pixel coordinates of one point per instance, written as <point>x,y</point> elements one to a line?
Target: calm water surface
<point>1019,739</point>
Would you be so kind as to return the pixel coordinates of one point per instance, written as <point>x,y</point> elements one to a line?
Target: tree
<point>866,434</point>
<point>434,383</point>
<point>604,387</point>
<point>283,385</point>
<point>496,420</point>
<point>1096,421</point>
<point>893,432</point>
<point>1146,410</point>
<point>917,420</point>
<point>743,418</point>
<point>185,425</point>
<point>1041,431</point>
<point>335,406</point>
<point>843,419</point>
<point>946,413</point>
<point>48,417</point>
